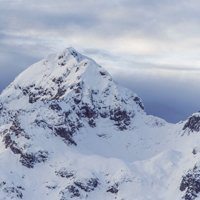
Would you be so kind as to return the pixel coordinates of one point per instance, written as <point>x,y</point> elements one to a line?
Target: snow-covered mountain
<point>69,131</point>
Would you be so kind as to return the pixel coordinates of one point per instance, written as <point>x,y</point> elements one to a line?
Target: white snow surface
<point>96,154</point>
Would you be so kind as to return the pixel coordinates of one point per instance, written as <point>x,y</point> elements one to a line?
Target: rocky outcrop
<point>11,191</point>
<point>190,183</point>
<point>193,123</point>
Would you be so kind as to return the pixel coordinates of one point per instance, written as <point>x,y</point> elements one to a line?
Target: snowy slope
<point>69,131</point>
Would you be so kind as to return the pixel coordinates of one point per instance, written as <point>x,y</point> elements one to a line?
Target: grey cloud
<point>141,42</point>
<point>119,16</point>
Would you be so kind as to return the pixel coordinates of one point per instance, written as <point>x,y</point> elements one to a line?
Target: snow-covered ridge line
<point>67,126</point>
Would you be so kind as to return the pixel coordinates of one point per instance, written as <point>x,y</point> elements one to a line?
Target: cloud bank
<point>151,47</point>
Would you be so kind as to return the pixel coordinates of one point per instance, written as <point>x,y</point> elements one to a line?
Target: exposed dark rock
<point>70,190</point>
<point>14,192</point>
<point>58,81</point>
<point>102,73</point>
<point>87,111</point>
<point>1,106</point>
<point>62,63</point>
<point>9,135</point>
<point>33,98</point>
<point>60,93</point>
<point>66,134</point>
<point>7,140</point>
<point>121,117</point>
<point>64,173</point>
<point>16,128</point>
<point>27,159</point>
<point>139,102</point>
<point>77,71</point>
<point>25,91</point>
<point>51,187</point>
<point>113,189</point>
<point>191,184</point>
<point>43,124</point>
<point>55,106</point>
<point>87,186</point>
<point>193,123</point>
<point>104,114</point>
<point>74,53</point>
<point>35,93</point>
<point>77,100</point>
<point>30,159</point>
<point>92,123</point>
<point>78,87</point>
<point>2,184</point>
<point>10,143</point>
<point>67,113</point>
<point>59,57</point>
<point>195,150</point>
<point>15,149</point>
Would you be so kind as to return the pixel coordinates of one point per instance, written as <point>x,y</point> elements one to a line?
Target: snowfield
<point>69,131</point>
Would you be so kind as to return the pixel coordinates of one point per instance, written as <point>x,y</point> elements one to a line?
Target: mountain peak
<point>76,134</point>
<point>70,52</point>
<point>75,80</point>
<point>62,69</point>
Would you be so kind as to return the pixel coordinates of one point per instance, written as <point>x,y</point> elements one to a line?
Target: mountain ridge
<point>69,128</point>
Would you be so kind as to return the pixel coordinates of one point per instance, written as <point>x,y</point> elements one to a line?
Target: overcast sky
<point>150,46</point>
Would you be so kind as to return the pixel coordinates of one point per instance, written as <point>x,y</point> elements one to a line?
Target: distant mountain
<point>69,131</point>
